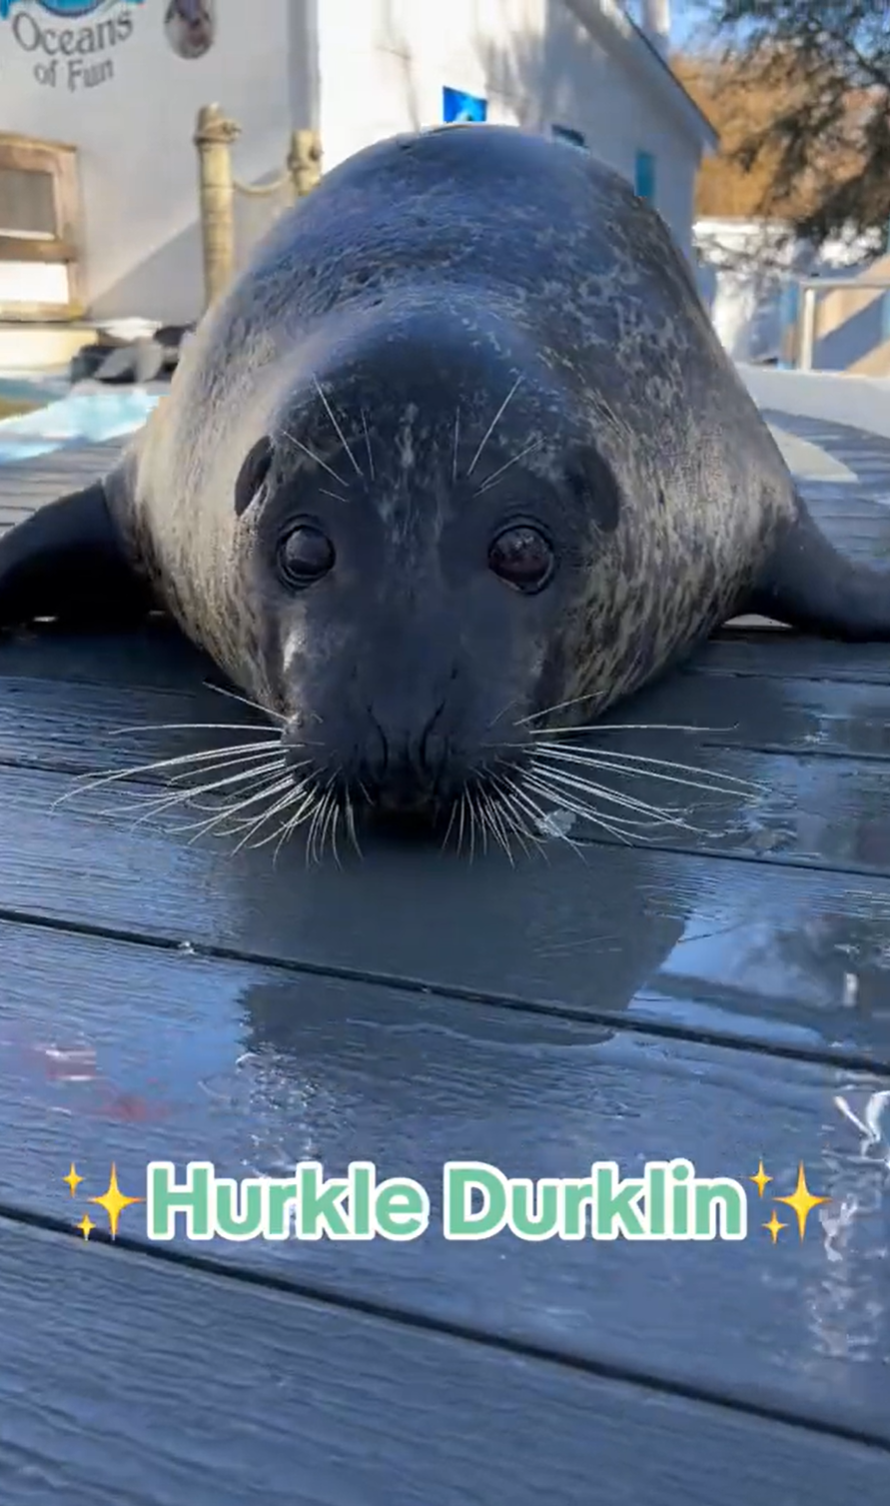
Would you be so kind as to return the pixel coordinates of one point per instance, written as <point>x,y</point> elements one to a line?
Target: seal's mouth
<point>419,824</point>
<point>418,810</point>
<point>414,814</point>
<point>462,801</point>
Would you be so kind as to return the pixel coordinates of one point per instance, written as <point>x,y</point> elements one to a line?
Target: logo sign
<point>72,42</point>
<point>459,108</point>
<point>190,27</point>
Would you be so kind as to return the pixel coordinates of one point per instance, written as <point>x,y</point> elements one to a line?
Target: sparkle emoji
<point>774,1226</point>
<point>114,1202</point>
<point>802,1201</point>
<point>73,1180</point>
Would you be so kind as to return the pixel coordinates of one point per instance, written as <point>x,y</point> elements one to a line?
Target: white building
<point>115,81</point>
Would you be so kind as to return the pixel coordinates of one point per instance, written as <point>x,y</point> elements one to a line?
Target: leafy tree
<point>805,87</point>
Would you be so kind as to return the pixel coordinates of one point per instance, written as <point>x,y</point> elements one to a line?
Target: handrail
<point>214,137</point>
<point>805,324</point>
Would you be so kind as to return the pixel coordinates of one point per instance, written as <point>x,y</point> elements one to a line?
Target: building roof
<point>608,21</point>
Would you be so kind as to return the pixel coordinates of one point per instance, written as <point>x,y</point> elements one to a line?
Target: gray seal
<point>459,447</point>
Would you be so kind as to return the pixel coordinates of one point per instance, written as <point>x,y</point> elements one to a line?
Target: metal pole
<point>807,330</point>
<point>214,135</point>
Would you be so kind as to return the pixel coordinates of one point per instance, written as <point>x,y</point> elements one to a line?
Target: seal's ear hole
<point>253,473</point>
<point>594,486</point>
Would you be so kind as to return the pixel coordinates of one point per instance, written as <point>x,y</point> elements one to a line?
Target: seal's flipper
<point>809,585</point>
<point>66,562</point>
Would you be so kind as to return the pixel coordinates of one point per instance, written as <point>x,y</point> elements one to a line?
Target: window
<point>27,204</point>
<point>569,134</point>
<point>39,224</point>
<point>458,107</point>
<point>644,176</point>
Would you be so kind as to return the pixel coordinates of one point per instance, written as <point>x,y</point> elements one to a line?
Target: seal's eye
<point>522,557</point>
<point>304,555</point>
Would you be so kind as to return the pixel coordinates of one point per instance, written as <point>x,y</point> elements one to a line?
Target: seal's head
<point>416,521</point>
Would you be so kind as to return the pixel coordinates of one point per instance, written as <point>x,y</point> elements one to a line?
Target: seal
<point>460,447</point>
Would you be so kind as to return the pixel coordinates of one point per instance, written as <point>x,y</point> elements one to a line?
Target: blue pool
<point>66,417</point>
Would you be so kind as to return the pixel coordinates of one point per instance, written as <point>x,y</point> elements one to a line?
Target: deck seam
<point>849,1060</point>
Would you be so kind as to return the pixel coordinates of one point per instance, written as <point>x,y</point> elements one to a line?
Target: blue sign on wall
<point>644,176</point>
<point>458,107</point>
<point>67,10</point>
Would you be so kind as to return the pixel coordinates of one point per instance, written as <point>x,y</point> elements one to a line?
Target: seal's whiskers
<point>644,815</point>
<point>570,780</point>
<point>651,768</point>
<point>563,773</point>
<point>161,803</point>
<point>317,825</point>
<point>187,727</point>
<point>461,806</point>
<point>499,820</point>
<point>456,445</point>
<point>617,826</point>
<point>535,716</point>
<point>291,823</point>
<point>340,435</point>
<point>88,782</point>
<point>538,815</point>
<point>222,819</point>
<point>511,813</point>
<point>368,444</point>
<point>316,459</point>
<point>494,423</point>
<point>290,795</point>
<point>330,828</point>
<point>495,476</point>
<point>350,825</point>
<point>234,695</point>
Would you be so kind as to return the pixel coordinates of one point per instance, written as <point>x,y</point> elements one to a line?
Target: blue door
<point>644,176</point>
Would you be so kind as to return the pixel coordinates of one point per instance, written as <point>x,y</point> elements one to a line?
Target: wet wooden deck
<point>721,994</point>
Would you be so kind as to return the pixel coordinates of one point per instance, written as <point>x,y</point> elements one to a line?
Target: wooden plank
<point>126,1054</point>
<point>155,656</point>
<point>810,717</point>
<point>792,655</point>
<point>691,943</point>
<point>125,1380</point>
<point>28,484</point>
<point>116,727</point>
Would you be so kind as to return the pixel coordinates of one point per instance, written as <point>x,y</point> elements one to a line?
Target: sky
<point>684,23</point>
<point>685,20</point>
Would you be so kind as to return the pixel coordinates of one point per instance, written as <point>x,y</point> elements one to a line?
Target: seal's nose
<point>402,771</point>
